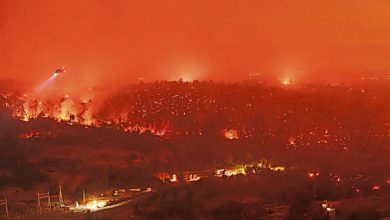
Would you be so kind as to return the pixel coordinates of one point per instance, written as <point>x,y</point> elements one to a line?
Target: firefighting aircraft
<point>59,71</point>
<point>49,81</point>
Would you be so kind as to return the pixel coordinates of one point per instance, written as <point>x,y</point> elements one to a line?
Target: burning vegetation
<point>169,134</point>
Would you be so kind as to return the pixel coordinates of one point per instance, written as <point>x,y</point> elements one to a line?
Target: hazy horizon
<point>100,43</point>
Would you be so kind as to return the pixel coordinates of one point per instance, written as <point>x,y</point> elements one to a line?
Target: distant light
<point>286,82</point>
<point>55,74</point>
<point>230,134</point>
<point>174,178</point>
<point>95,205</point>
<point>186,79</point>
<point>291,141</point>
<point>329,209</point>
<point>312,174</point>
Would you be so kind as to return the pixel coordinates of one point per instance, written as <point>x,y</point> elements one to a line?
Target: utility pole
<point>39,203</point>
<point>84,196</point>
<point>43,196</point>
<point>4,202</point>
<point>61,200</point>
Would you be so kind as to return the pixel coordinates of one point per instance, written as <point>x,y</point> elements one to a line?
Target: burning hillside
<point>191,132</point>
<point>305,117</point>
<point>73,111</point>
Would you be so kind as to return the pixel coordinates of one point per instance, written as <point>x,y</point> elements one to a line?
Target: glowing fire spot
<point>291,141</point>
<point>26,118</point>
<point>230,134</point>
<point>95,205</point>
<point>63,116</point>
<point>32,134</point>
<point>286,82</point>
<point>174,178</point>
<point>312,174</point>
<point>159,131</point>
<point>375,187</point>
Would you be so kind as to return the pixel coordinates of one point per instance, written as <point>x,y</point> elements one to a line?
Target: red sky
<point>117,41</point>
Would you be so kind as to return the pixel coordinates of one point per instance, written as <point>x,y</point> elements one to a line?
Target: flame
<point>26,117</point>
<point>31,134</point>
<point>286,81</point>
<point>291,141</point>
<point>230,134</point>
<point>81,112</point>
<point>63,117</point>
<point>152,128</point>
<point>313,174</point>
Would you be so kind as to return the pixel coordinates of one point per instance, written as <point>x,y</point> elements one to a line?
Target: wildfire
<point>313,174</point>
<point>167,177</point>
<point>31,134</point>
<point>75,111</point>
<point>94,205</point>
<point>150,127</point>
<point>286,82</point>
<point>64,110</point>
<point>26,117</point>
<point>291,141</point>
<point>230,134</point>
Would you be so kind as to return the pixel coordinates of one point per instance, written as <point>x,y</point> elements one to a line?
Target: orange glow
<point>291,141</point>
<point>151,128</point>
<point>199,36</point>
<point>80,112</point>
<point>61,111</point>
<point>286,82</point>
<point>26,117</point>
<point>63,117</point>
<point>32,134</point>
<point>230,134</point>
<point>313,174</point>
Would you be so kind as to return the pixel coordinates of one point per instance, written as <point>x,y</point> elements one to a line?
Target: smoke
<point>46,83</point>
